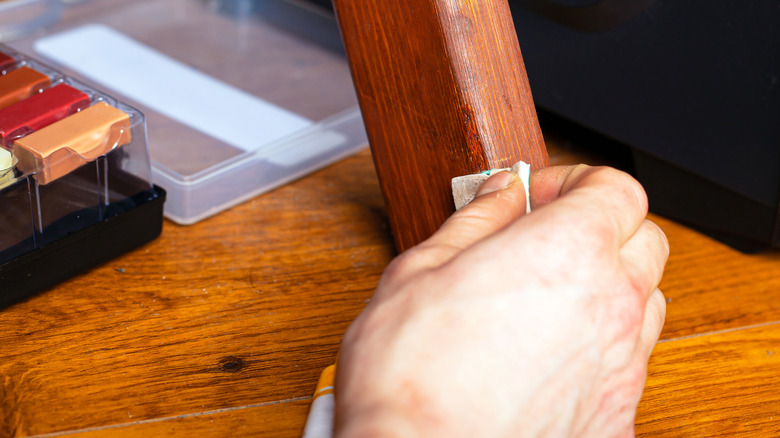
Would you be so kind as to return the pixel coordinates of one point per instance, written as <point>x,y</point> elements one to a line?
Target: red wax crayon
<point>39,110</point>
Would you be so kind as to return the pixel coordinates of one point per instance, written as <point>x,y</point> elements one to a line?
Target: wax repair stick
<point>40,110</point>
<point>7,163</point>
<point>20,84</point>
<point>63,146</point>
<point>319,424</point>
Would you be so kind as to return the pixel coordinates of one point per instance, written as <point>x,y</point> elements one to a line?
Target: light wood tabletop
<point>222,328</point>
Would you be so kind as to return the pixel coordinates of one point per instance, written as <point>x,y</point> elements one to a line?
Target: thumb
<point>499,201</point>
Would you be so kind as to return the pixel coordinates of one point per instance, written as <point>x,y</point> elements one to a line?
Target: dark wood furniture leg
<point>443,91</point>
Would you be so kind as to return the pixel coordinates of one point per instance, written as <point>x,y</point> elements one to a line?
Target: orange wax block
<point>20,84</point>
<point>63,146</point>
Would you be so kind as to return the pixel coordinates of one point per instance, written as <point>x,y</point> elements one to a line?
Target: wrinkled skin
<point>508,324</point>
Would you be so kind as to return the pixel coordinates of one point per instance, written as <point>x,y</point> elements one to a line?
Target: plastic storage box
<point>240,96</point>
<point>22,17</point>
<point>75,177</point>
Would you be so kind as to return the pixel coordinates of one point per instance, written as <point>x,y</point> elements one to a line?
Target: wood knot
<point>231,364</point>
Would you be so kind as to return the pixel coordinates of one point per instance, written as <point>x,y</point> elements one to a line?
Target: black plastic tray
<point>43,268</point>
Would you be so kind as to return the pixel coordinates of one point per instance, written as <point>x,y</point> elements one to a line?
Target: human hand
<point>512,324</point>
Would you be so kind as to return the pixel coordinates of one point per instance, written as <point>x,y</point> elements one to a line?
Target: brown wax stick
<point>443,92</point>
<point>63,146</point>
<point>20,84</point>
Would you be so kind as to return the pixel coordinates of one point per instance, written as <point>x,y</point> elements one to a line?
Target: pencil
<point>319,423</point>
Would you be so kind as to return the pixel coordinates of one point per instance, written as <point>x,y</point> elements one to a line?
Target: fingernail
<point>496,182</point>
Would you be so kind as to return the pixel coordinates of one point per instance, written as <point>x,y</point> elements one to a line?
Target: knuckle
<point>639,282</point>
<point>411,261</point>
<point>629,320</point>
<point>626,189</point>
<point>594,239</point>
<point>632,190</point>
<point>397,268</point>
<point>628,308</point>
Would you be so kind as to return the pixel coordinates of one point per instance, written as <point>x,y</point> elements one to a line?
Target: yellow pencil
<point>319,424</point>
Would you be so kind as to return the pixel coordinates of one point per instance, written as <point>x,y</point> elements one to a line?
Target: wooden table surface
<point>222,328</point>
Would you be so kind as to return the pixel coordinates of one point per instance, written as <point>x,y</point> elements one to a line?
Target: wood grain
<point>278,419</point>
<point>443,92</point>
<point>149,343</point>
<point>721,384</point>
<point>205,317</point>
<point>222,328</point>
<point>711,286</point>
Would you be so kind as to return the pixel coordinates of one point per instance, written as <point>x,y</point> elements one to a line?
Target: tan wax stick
<point>61,147</point>
<point>20,84</point>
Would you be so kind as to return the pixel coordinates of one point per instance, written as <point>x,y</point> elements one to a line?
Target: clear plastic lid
<point>65,168</point>
<point>23,17</point>
<point>239,96</point>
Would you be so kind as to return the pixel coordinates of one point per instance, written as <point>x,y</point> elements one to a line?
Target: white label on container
<point>170,87</point>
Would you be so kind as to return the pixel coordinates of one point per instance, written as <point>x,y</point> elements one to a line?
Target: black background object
<point>692,87</point>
